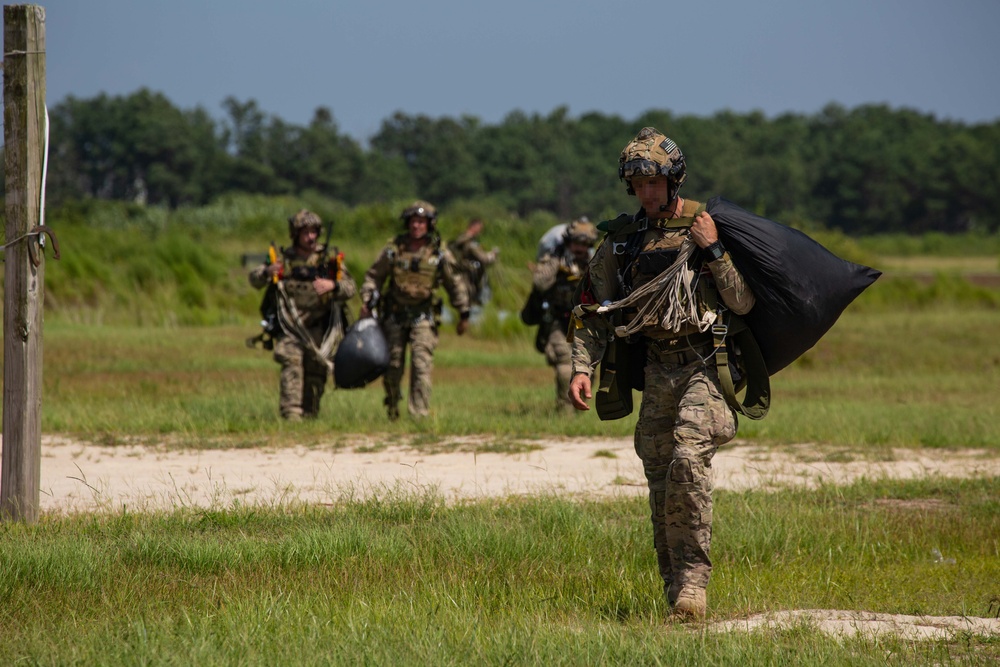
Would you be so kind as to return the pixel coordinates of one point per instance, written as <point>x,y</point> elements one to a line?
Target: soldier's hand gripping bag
<point>363,355</point>
<point>801,288</point>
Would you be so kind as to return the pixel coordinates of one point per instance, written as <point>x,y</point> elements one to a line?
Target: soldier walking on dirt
<point>684,417</point>
<point>309,288</point>
<point>415,265</point>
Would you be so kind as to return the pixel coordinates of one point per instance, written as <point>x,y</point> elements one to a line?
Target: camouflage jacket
<point>556,277</point>
<point>608,270</point>
<point>414,277</point>
<point>466,250</point>
<point>297,278</point>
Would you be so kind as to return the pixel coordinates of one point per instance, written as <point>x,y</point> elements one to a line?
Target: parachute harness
<point>669,299</point>
<point>291,322</point>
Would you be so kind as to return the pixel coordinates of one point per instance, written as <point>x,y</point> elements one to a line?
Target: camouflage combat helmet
<point>302,220</point>
<point>420,207</point>
<point>653,154</point>
<point>581,231</point>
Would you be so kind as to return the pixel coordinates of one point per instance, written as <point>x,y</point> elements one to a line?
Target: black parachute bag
<point>363,355</point>
<point>801,288</point>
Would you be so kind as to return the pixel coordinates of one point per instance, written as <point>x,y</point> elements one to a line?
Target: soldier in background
<point>554,283</point>
<point>684,417</point>
<point>473,261</point>
<point>415,265</point>
<point>310,290</point>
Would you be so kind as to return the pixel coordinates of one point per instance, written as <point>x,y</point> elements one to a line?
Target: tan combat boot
<point>690,604</point>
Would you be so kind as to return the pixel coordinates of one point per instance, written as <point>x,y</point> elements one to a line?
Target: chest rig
<point>643,250</point>
<point>297,282</point>
<point>415,274</point>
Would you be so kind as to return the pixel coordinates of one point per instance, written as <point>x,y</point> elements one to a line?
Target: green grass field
<point>519,581</point>
<point>539,580</point>
<point>144,342</point>
<point>879,378</point>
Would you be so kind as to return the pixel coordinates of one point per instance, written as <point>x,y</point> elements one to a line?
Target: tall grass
<point>530,581</point>
<point>147,310</point>
<point>128,264</point>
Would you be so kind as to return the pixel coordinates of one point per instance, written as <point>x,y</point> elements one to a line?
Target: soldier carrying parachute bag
<point>555,282</point>
<point>363,355</point>
<point>472,262</point>
<point>408,272</point>
<point>720,299</point>
<point>304,312</point>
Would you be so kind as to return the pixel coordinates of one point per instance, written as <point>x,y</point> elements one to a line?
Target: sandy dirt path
<point>78,476</point>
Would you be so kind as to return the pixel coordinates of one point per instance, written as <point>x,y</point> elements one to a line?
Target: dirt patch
<point>850,623</point>
<point>80,476</point>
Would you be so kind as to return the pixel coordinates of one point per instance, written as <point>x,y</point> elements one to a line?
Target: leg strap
<point>757,398</point>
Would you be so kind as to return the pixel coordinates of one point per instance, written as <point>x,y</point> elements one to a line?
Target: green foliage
<point>123,262</point>
<point>868,170</point>
<point>903,292</point>
<point>934,244</point>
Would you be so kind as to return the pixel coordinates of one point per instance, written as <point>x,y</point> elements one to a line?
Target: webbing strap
<point>757,399</point>
<point>614,397</point>
<point>291,322</point>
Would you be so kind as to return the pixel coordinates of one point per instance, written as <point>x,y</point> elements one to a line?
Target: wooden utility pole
<point>24,263</point>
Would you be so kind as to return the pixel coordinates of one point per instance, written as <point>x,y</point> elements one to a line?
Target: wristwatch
<point>715,251</point>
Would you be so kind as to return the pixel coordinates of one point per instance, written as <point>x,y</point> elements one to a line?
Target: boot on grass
<point>691,604</point>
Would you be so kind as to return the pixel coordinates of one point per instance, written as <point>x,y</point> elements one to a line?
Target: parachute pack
<point>801,288</point>
<point>363,355</point>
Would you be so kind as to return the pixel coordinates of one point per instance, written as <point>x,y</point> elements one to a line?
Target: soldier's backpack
<point>533,310</point>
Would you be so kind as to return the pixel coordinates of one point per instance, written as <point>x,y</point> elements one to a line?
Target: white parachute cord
<point>667,300</point>
<point>291,322</point>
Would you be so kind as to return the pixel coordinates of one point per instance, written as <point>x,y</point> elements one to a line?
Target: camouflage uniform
<point>556,278</point>
<point>409,313</point>
<point>303,376</point>
<point>471,261</point>
<point>684,417</point>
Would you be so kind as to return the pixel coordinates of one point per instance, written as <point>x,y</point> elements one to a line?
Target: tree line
<point>871,169</point>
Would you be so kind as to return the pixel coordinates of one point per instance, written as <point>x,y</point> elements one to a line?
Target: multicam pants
<point>422,337</point>
<point>683,420</point>
<point>303,377</point>
<point>559,355</point>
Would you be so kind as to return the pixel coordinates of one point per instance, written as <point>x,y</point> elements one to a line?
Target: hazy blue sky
<point>366,59</point>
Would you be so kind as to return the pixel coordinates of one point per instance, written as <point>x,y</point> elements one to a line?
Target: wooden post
<point>24,138</point>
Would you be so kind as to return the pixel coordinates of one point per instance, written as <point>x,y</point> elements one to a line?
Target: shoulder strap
<point>691,208</point>
<point>729,328</point>
<point>757,399</point>
<point>612,226</point>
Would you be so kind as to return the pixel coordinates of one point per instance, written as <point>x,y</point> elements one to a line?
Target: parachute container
<point>363,355</point>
